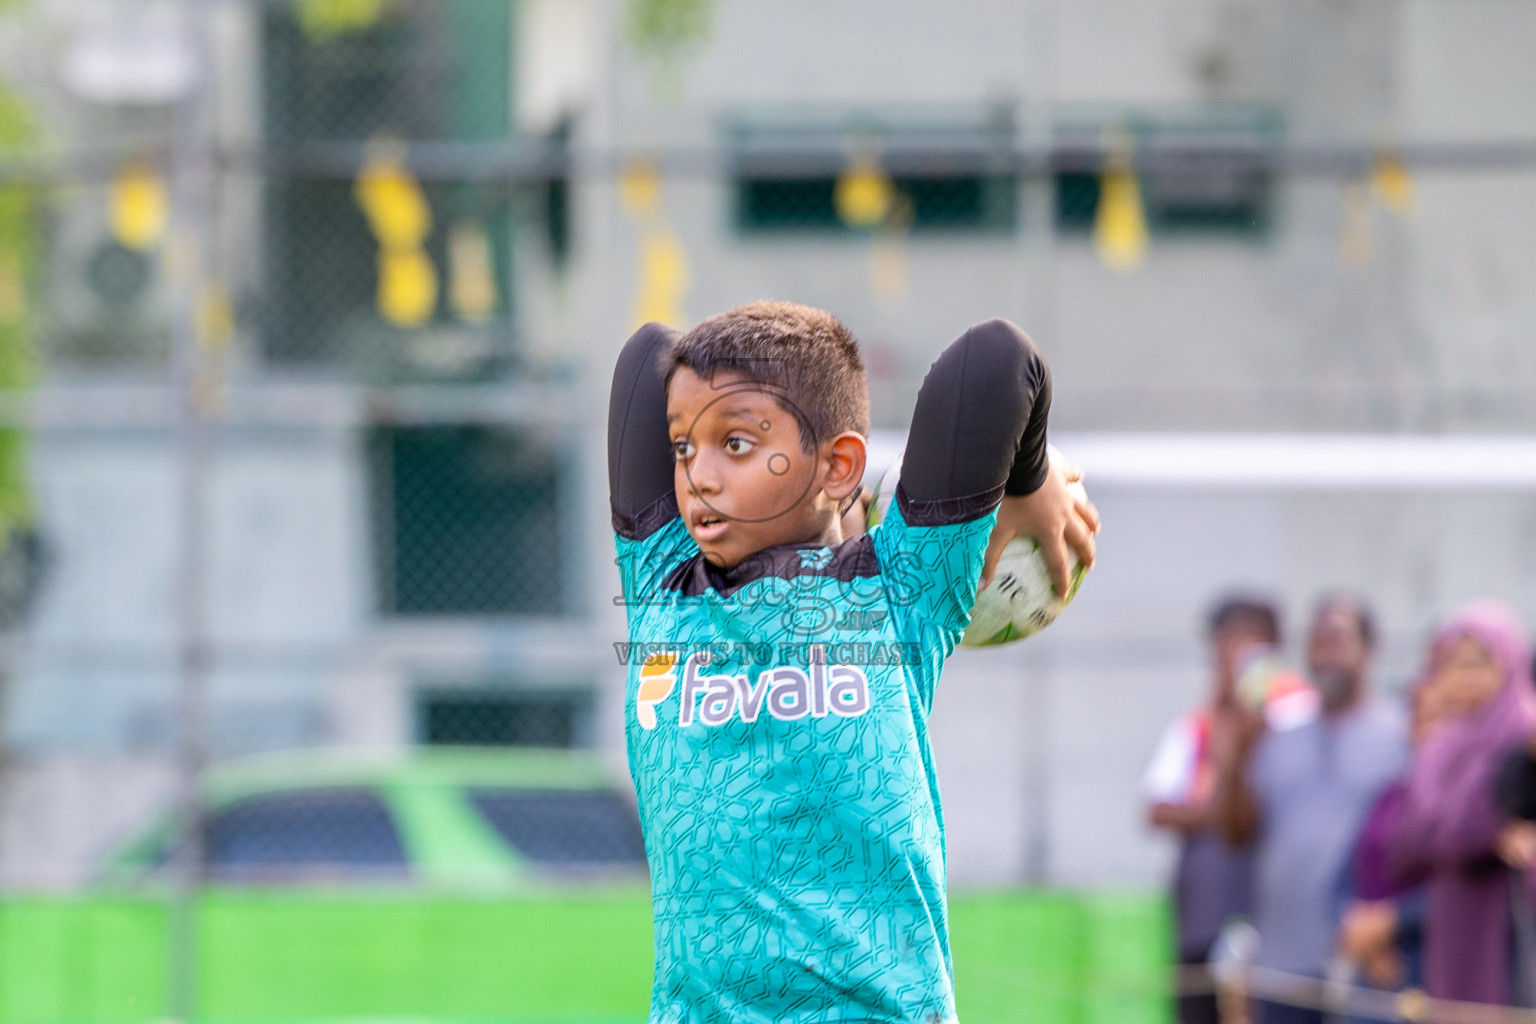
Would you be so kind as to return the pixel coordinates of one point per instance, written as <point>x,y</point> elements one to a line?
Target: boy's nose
<point>702,477</point>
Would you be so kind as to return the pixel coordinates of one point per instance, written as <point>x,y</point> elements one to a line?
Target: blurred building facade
<point>406,526</point>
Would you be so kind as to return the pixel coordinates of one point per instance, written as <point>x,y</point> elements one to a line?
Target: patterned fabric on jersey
<point>776,719</point>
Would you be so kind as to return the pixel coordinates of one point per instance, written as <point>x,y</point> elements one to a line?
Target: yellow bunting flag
<point>1392,185</point>
<point>214,320</point>
<point>323,20</point>
<point>1355,225</point>
<point>863,194</point>
<point>401,219</point>
<point>1120,223</point>
<point>471,273</point>
<point>392,200</point>
<point>662,277</point>
<point>138,207</point>
<point>640,189</point>
<point>407,287</point>
<point>888,254</point>
<point>215,317</point>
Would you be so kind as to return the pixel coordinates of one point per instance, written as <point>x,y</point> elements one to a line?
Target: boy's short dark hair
<point>806,356</point>
<point>1245,611</point>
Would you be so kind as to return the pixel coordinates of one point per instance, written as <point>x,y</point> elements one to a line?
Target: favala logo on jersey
<point>657,677</point>
<point>784,692</point>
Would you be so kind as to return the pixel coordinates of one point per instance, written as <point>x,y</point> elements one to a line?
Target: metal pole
<point>1037,772</point>
<point>1038,252</point>
<point>191,168</point>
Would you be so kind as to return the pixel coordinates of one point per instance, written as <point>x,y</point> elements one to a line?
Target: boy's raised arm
<point>978,429</point>
<point>978,440</point>
<point>640,464</point>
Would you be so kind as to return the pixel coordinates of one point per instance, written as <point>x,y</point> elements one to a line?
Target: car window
<point>315,835</point>
<point>569,827</point>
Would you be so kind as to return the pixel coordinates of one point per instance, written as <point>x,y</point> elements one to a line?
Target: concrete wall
<point>1274,332</point>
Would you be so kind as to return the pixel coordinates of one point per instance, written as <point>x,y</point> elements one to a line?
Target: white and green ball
<point>1019,602</point>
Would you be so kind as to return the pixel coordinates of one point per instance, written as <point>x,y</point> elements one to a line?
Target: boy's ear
<point>846,455</point>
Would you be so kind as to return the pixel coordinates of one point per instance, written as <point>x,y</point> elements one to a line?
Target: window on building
<point>506,718</point>
<point>1203,171</point>
<point>466,521</point>
<point>949,174</point>
<point>961,202</point>
<point>430,71</point>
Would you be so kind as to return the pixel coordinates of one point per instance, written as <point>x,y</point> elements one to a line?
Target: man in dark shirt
<point>1212,879</point>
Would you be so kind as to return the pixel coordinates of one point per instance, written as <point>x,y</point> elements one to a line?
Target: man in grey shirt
<point>1300,796</point>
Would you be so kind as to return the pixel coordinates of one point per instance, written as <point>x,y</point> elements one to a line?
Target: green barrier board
<point>301,957</point>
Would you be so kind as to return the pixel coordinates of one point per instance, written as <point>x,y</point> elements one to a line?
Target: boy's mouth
<point>706,525</point>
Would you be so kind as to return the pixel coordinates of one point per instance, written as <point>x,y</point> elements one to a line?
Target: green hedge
<point>288,957</point>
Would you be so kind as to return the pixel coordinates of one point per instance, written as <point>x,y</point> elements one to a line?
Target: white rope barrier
<point>1340,999</point>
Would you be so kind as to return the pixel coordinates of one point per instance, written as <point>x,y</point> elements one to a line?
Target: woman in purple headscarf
<point>1448,826</point>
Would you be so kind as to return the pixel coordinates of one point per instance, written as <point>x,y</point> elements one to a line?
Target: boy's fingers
<point>1058,565</point>
<point>1090,514</point>
<point>1080,538</point>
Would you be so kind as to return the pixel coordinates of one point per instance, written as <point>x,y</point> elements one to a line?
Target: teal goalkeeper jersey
<point>777,711</point>
<point>777,722</point>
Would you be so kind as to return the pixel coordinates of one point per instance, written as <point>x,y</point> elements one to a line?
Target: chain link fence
<point>255,244</point>
<point>305,612</point>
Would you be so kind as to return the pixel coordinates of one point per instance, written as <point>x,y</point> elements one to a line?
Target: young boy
<point>781,674</point>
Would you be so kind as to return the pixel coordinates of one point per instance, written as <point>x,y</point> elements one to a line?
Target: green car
<point>431,888</point>
<point>459,817</point>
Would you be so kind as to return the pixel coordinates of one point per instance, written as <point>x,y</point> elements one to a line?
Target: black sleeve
<point>639,450</point>
<point>978,431</point>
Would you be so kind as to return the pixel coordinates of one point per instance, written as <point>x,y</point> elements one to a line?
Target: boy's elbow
<point>650,331</point>
<point>1003,337</point>
<point>643,348</point>
<point>638,371</point>
<point>1002,347</point>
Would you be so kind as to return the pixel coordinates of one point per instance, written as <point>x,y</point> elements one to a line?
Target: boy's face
<point>743,482</point>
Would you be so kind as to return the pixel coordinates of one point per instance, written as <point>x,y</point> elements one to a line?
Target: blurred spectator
<point>1382,926</point>
<point>1212,879</point>
<point>1299,796</point>
<point>1516,796</point>
<point>1449,827</point>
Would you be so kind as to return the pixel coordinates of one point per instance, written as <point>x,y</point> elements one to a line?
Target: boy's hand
<point>1054,519</point>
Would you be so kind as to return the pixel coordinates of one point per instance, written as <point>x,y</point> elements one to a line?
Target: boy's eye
<point>682,449</point>
<point>738,445</point>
